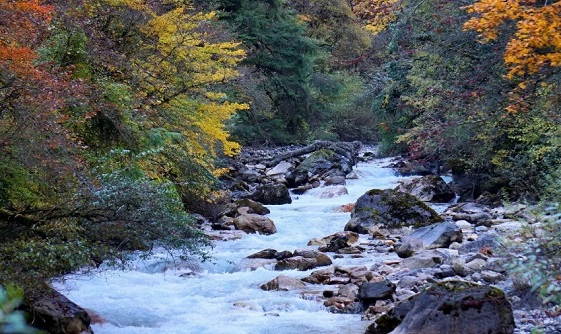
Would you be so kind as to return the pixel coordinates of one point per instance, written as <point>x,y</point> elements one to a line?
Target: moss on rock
<point>390,209</point>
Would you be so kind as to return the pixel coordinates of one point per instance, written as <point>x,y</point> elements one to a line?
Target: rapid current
<point>222,297</point>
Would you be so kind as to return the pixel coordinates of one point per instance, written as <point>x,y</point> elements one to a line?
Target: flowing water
<point>222,297</point>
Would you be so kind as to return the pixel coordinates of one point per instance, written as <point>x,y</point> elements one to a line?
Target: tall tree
<point>282,57</point>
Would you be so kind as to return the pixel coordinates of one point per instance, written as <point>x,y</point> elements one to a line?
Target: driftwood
<point>346,149</point>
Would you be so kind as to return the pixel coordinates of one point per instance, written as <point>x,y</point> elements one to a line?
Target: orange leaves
<point>15,53</point>
<point>537,40</point>
<point>21,25</point>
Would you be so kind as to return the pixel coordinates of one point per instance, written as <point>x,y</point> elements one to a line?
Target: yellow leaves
<point>177,67</point>
<point>377,14</point>
<point>134,4</point>
<point>182,58</point>
<point>211,124</point>
<point>537,40</point>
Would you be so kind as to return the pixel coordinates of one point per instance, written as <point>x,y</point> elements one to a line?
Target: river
<point>222,297</point>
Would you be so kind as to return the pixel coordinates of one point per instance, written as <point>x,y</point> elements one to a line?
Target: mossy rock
<point>450,307</point>
<point>323,161</point>
<point>390,209</point>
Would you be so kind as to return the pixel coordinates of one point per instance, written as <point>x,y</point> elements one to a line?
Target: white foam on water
<point>221,298</point>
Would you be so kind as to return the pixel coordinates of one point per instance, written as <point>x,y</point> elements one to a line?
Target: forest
<point>117,116</point>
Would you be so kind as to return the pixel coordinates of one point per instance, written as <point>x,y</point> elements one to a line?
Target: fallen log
<point>347,149</point>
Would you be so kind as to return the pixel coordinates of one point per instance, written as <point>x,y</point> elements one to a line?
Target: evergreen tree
<point>282,57</point>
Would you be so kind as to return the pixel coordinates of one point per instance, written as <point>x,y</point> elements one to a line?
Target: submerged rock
<point>283,283</point>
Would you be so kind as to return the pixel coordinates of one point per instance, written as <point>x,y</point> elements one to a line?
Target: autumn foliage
<point>376,15</point>
<point>537,40</point>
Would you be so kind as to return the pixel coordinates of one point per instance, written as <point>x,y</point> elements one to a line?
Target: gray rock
<point>485,240</point>
<point>297,178</point>
<point>272,193</point>
<point>408,246</point>
<point>450,307</point>
<point>325,162</point>
<point>426,259</point>
<point>352,176</point>
<point>249,175</point>
<point>280,169</point>
<point>348,290</point>
<point>497,264</point>
<point>336,180</point>
<point>429,188</point>
<point>438,235</point>
<point>370,292</point>
<point>475,265</point>
<point>492,276</point>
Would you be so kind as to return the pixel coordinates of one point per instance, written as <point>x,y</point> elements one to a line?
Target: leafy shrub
<point>540,263</point>
<point>11,320</point>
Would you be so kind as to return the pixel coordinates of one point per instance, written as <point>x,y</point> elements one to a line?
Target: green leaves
<point>11,320</point>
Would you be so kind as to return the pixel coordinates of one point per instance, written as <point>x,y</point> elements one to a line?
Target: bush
<point>11,320</point>
<point>540,263</point>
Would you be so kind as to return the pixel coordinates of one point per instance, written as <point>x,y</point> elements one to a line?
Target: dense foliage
<point>447,98</point>
<point>112,116</point>
<point>114,113</point>
<point>294,73</point>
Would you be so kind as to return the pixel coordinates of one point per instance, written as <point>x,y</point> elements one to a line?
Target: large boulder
<point>325,162</point>
<point>450,307</point>
<point>429,188</point>
<point>253,223</point>
<point>54,313</point>
<point>389,209</point>
<point>272,194</point>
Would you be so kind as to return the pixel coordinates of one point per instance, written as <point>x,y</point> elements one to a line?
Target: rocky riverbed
<point>463,244</point>
<point>396,249</point>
